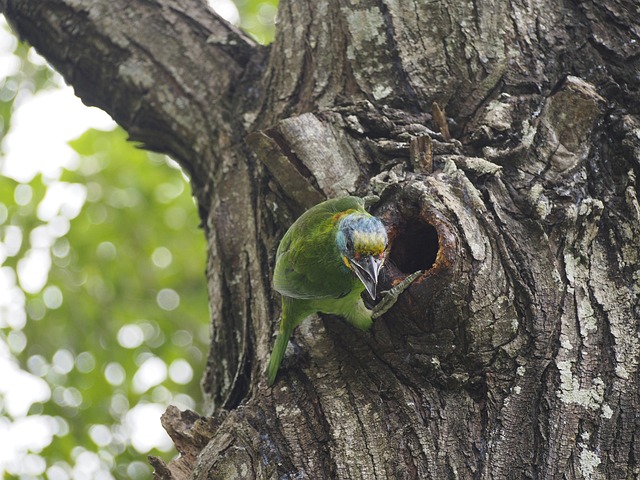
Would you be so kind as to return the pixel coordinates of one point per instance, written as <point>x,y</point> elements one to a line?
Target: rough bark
<point>516,354</point>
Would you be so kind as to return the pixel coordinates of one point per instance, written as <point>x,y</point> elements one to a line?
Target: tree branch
<point>168,72</point>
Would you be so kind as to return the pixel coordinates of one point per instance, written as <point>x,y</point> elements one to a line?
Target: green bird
<point>327,258</point>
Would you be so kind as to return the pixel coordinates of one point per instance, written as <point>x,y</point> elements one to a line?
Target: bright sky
<point>41,127</point>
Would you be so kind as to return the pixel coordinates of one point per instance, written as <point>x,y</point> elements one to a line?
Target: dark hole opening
<point>415,247</point>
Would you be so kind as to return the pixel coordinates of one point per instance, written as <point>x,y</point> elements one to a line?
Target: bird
<point>329,256</point>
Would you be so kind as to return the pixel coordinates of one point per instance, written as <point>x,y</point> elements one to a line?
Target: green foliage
<point>258,18</point>
<point>124,303</point>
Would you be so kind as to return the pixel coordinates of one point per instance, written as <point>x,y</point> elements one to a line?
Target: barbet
<point>327,258</point>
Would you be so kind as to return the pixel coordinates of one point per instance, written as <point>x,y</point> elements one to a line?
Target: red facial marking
<point>336,218</point>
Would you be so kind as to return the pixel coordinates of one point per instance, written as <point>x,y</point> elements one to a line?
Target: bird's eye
<point>349,244</point>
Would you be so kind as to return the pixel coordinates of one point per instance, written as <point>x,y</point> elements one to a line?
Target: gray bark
<point>516,354</point>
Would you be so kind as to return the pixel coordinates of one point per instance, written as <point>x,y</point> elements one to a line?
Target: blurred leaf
<point>258,18</point>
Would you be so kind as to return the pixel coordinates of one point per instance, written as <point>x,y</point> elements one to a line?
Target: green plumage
<point>315,267</point>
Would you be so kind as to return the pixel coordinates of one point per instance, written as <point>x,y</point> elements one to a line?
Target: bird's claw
<point>391,296</point>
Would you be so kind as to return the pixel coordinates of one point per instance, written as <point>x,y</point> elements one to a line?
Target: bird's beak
<point>367,270</point>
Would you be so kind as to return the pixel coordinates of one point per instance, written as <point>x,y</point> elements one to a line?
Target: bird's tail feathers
<point>277,353</point>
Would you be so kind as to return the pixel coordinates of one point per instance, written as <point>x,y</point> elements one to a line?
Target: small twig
<point>440,121</point>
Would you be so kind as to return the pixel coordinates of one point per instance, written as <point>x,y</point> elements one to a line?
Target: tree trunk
<point>515,355</point>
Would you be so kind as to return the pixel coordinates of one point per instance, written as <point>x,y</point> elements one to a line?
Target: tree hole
<point>415,247</point>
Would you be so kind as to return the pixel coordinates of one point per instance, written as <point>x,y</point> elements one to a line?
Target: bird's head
<point>362,240</point>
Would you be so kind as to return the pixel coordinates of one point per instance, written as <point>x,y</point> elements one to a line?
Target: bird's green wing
<point>308,264</point>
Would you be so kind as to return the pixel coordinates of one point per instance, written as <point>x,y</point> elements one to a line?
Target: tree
<point>515,355</point>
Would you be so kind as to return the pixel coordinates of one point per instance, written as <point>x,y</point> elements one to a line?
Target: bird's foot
<point>391,296</point>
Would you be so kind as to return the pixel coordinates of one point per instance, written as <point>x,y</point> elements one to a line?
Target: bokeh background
<point>104,318</point>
